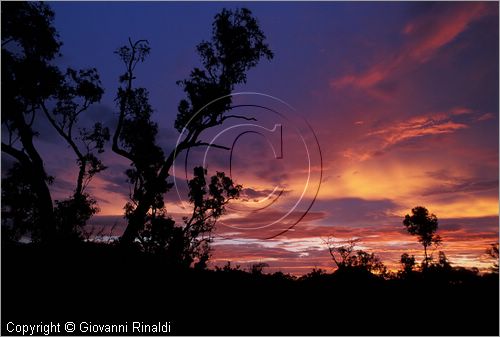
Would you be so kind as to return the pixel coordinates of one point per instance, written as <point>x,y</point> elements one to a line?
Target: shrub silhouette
<point>258,268</point>
<point>492,252</point>
<point>20,214</point>
<point>408,263</point>
<point>349,260</point>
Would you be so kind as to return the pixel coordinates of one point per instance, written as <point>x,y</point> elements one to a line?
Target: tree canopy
<point>423,225</point>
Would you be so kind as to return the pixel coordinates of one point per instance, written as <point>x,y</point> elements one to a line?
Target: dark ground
<point>102,285</point>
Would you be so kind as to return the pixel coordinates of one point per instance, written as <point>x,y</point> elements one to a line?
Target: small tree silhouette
<point>492,251</point>
<point>408,263</point>
<point>347,258</point>
<point>365,261</point>
<point>340,251</point>
<point>258,268</point>
<point>424,226</point>
<point>443,263</point>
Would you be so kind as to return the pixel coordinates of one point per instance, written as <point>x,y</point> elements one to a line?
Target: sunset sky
<point>402,97</point>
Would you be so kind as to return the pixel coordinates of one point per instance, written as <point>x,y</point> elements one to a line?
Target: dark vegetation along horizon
<point>157,270</point>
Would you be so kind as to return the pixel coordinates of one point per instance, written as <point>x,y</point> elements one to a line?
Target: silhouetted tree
<point>237,45</point>
<point>442,267</point>
<point>29,43</point>
<point>158,233</point>
<point>31,84</point>
<point>492,251</point>
<point>340,251</point>
<point>209,201</point>
<point>443,261</point>
<point>424,226</point>
<point>77,91</point>
<point>365,261</point>
<point>190,243</point>
<point>140,148</point>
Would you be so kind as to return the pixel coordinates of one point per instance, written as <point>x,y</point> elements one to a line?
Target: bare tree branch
<point>211,145</point>
<point>17,154</point>
<point>238,117</point>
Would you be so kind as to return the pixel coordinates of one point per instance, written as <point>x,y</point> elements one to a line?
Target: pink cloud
<point>486,116</point>
<point>461,111</point>
<point>437,29</point>
<point>415,128</point>
<point>426,35</point>
<point>431,124</point>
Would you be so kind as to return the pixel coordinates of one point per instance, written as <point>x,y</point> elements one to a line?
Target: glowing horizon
<point>403,99</point>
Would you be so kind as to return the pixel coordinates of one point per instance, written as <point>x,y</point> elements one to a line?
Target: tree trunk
<point>32,161</point>
<point>137,219</point>
<point>136,222</point>
<point>81,175</point>
<point>426,259</point>
<point>45,208</point>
